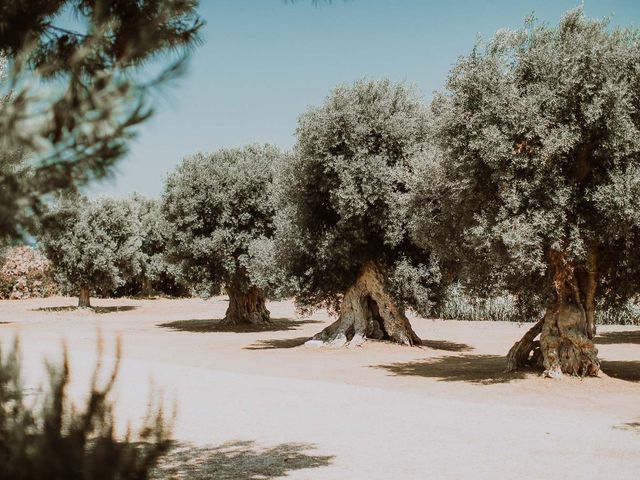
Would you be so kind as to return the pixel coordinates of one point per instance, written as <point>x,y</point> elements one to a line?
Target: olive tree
<point>93,245</point>
<point>217,207</point>
<point>156,274</point>
<point>342,222</point>
<point>536,187</point>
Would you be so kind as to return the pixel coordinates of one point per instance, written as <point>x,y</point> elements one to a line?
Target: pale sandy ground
<point>260,406</point>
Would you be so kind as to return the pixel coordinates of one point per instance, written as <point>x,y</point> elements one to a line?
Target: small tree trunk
<point>246,307</point>
<point>368,311</point>
<point>568,326</point>
<point>147,288</point>
<point>84,300</point>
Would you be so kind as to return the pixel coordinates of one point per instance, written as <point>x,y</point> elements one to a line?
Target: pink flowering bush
<point>25,273</point>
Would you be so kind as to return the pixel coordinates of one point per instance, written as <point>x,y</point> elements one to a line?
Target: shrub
<point>460,304</point>
<point>25,273</point>
<point>49,438</point>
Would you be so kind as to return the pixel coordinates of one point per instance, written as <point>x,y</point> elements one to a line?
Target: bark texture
<point>368,311</point>
<point>84,300</point>
<point>568,326</point>
<point>246,307</point>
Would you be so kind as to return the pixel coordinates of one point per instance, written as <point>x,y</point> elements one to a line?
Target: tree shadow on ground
<point>73,308</point>
<point>216,325</point>
<point>478,369</point>
<point>623,370</point>
<point>446,345</point>
<point>631,426</point>
<point>611,338</point>
<point>276,343</point>
<point>238,459</point>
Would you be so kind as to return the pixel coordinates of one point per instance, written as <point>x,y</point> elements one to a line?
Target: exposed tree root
<point>368,311</point>
<point>521,354</point>
<point>565,346</point>
<point>567,328</point>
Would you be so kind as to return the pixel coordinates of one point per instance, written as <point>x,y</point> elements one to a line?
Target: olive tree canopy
<point>93,245</point>
<point>536,188</point>
<point>342,223</point>
<point>157,275</point>
<point>217,207</point>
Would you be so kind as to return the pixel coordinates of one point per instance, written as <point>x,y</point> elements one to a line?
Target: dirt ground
<point>260,405</point>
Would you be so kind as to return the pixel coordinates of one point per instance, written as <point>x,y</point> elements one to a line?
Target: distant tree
<point>93,245</point>
<point>157,274</point>
<point>218,206</point>
<point>73,96</point>
<point>538,187</point>
<point>342,223</point>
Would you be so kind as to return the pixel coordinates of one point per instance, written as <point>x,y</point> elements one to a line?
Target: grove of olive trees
<point>521,177</point>
<point>536,186</point>
<point>516,186</point>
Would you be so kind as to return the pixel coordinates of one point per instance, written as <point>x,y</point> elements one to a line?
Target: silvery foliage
<point>219,210</point>
<point>343,195</point>
<point>539,136</point>
<point>154,230</point>
<point>93,243</point>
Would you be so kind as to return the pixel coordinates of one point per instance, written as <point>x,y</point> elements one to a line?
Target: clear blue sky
<point>263,62</point>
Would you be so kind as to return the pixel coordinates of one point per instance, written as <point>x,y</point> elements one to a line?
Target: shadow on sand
<point>73,308</point>
<point>446,345</point>
<point>623,370</point>
<point>631,426</point>
<point>611,338</point>
<point>478,369</point>
<point>216,325</point>
<point>276,343</point>
<point>238,459</point>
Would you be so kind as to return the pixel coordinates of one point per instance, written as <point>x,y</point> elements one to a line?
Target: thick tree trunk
<point>568,326</point>
<point>368,311</point>
<point>246,307</point>
<point>84,301</point>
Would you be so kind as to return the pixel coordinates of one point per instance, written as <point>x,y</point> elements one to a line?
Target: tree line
<point>521,176</point>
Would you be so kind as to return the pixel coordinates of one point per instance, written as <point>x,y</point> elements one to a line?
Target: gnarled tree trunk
<point>246,307</point>
<point>84,300</point>
<point>568,326</point>
<point>368,311</point>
